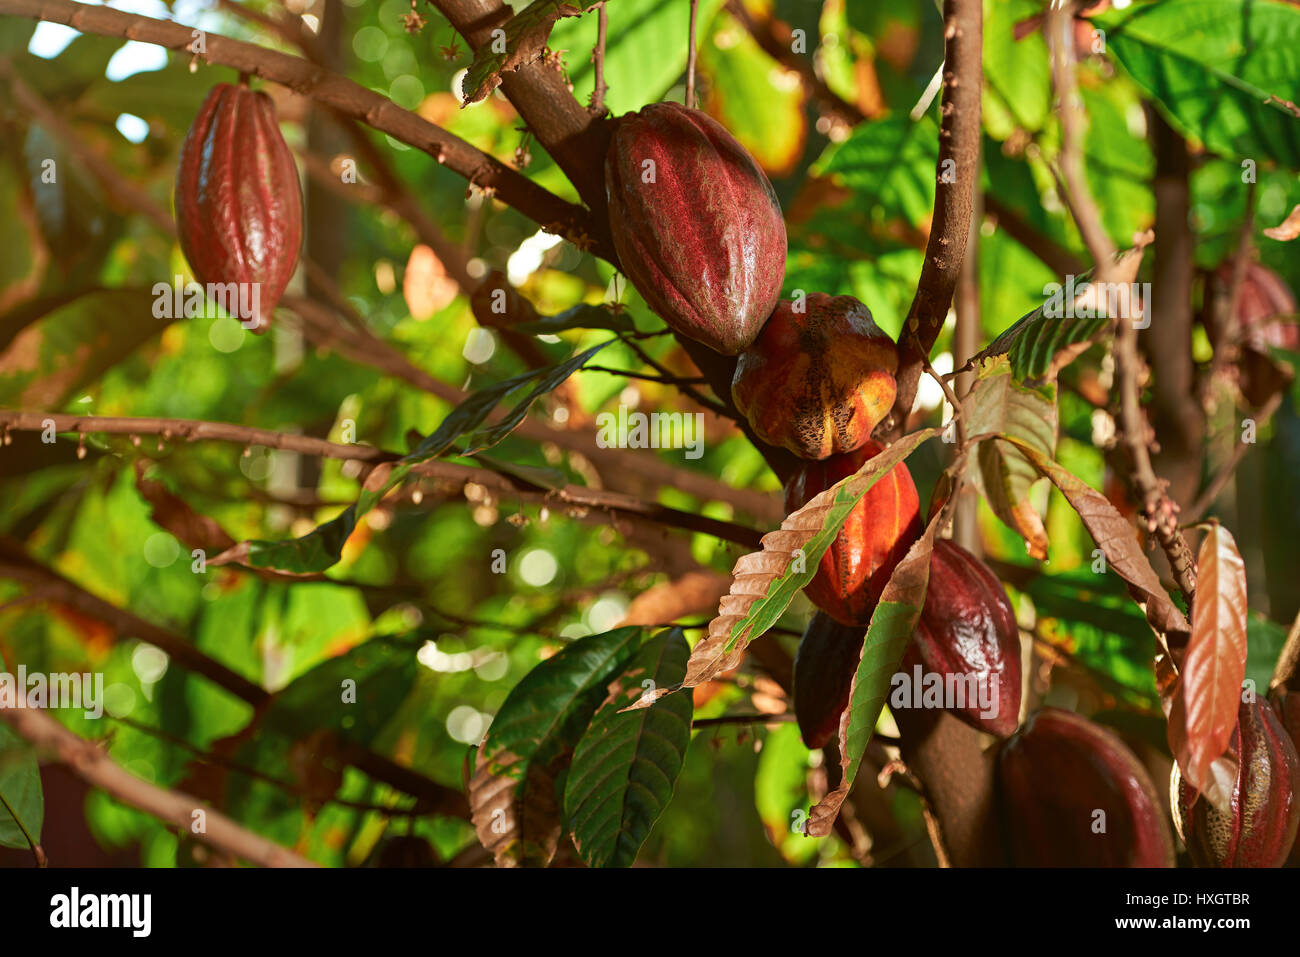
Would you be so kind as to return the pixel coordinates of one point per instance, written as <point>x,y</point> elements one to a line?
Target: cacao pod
<point>873,539</point>
<point>824,665</point>
<point>967,631</point>
<point>1287,705</point>
<point>1054,776</point>
<point>817,381</point>
<point>696,224</point>
<point>1258,829</point>
<point>238,202</point>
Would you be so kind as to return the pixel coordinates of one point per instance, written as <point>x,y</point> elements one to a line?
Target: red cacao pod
<point>1287,705</point>
<point>877,534</point>
<point>1054,777</point>
<point>696,224</point>
<point>824,665</point>
<point>819,377</point>
<point>238,201</point>
<point>967,633</point>
<point>1258,828</point>
<point>1266,307</point>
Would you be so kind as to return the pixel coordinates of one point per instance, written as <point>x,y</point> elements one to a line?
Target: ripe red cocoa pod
<point>696,224</point>
<point>819,377</point>
<point>968,631</point>
<point>1073,795</point>
<point>824,665</point>
<point>877,534</point>
<point>238,201</point>
<point>1258,829</point>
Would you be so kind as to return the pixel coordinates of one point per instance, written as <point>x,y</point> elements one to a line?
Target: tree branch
<point>173,807</point>
<point>574,496</point>
<point>955,181</point>
<point>17,565</point>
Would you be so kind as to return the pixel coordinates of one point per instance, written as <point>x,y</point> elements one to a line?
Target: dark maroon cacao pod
<point>696,224</point>
<point>968,630</point>
<point>1055,775</point>
<point>1287,705</point>
<point>238,202</point>
<point>824,665</point>
<point>817,380</point>
<point>872,541</point>
<point>1259,827</point>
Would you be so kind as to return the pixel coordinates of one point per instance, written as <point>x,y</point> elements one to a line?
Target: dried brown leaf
<point>1288,229</point>
<point>1215,663</point>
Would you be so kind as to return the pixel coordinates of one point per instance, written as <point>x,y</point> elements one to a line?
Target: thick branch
<point>956,172</point>
<point>338,92</point>
<point>174,807</point>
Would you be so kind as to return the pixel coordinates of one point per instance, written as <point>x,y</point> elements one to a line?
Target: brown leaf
<point>696,592</point>
<point>1215,663</point>
<point>515,811</point>
<point>173,513</point>
<point>426,287</point>
<point>1288,229</point>
<point>1118,540</point>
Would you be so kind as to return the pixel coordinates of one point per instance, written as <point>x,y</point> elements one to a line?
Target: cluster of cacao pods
<point>699,232</point>
<point>238,201</point>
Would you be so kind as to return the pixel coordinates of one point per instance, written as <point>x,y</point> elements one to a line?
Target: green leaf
<point>323,546</point>
<point>892,625</point>
<point>51,358</point>
<point>999,404</point>
<point>645,50</point>
<point>747,95</point>
<point>1221,69</point>
<point>22,800</point>
<point>626,764</point>
<point>516,793</point>
<point>353,694</point>
<point>525,41</point>
<point>1076,313</point>
<point>889,164</point>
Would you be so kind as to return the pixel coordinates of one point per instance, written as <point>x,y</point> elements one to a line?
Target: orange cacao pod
<point>1259,827</point>
<point>1074,795</point>
<point>696,224</point>
<point>238,202</point>
<point>877,534</point>
<point>968,630</point>
<point>824,665</point>
<point>817,380</point>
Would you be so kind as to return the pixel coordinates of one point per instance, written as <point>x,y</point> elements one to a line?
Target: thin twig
<point>1160,510</point>
<point>690,57</point>
<point>572,496</point>
<point>597,104</point>
<point>38,852</point>
<point>1224,475</point>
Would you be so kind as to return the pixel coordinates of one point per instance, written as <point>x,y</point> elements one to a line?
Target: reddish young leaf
<point>1215,663</point>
